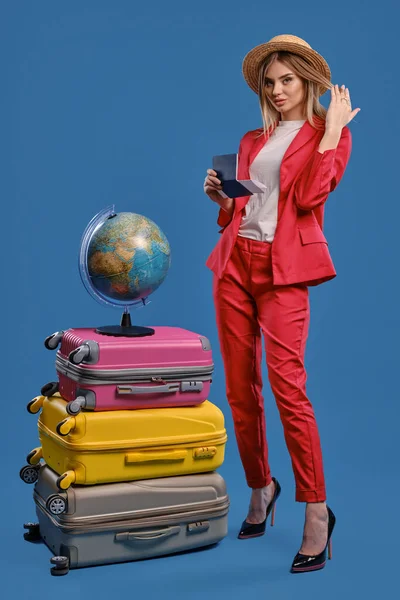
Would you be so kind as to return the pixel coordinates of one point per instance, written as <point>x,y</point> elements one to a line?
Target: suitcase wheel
<point>35,405</point>
<point>77,356</point>
<point>33,533</point>
<point>65,480</point>
<point>66,426</point>
<point>56,504</point>
<point>34,457</point>
<point>49,389</point>
<point>75,406</point>
<point>61,565</point>
<point>52,341</point>
<point>29,474</point>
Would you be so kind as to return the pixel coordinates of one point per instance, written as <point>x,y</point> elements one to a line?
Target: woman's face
<point>282,83</point>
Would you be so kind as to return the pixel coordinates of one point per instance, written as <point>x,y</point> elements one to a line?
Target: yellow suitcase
<point>126,445</point>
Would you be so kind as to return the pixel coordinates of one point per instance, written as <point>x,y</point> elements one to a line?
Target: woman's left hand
<point>339,111</point>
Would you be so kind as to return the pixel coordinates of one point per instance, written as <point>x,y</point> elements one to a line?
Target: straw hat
<point>290,43</point>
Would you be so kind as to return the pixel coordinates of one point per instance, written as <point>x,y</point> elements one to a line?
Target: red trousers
<point>246,303</point>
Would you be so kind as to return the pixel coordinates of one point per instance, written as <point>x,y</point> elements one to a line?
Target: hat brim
<point>254,58</point>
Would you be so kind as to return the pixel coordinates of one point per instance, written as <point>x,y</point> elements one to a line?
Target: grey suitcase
<point>118,522</point>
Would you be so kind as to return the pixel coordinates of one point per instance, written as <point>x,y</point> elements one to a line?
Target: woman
<point>271,249</point>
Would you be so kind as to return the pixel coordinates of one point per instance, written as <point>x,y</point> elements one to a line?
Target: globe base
<point>129,331</point>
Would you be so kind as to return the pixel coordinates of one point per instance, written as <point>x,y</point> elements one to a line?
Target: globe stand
<point>126,329</point>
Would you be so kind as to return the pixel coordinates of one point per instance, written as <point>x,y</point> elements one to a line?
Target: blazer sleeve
<point>322,173</point>
<point>223,218</point>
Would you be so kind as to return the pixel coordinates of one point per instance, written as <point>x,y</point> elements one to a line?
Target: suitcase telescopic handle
<point>155,534</point>
<point>163,455</point>
<point>127,390</point>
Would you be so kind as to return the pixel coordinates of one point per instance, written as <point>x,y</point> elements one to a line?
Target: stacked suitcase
<point>129,449</point>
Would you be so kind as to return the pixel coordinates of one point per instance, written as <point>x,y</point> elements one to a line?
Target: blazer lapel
<point>303,136</point>
<point>249,155</point>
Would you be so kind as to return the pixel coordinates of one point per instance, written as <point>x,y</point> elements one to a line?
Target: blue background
<point>125,102</point>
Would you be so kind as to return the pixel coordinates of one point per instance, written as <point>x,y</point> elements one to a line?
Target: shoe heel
<point>273,515</point>
<point>330,549</point>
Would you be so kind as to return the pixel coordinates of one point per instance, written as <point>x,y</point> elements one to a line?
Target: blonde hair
<point>311,77</point>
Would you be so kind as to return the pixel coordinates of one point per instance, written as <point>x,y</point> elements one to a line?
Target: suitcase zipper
<point>114,376</point>
<point>206,505</point>
<point>214,509</point>
<point>140,444</point>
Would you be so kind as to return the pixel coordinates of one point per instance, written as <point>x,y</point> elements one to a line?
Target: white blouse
<point>260,220</point>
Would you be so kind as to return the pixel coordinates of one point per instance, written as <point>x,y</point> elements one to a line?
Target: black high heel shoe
<point>250,530</point>
<point>303,562</point>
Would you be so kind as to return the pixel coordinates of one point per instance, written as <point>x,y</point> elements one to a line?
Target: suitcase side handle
<point>164,455</point>
<point>125,390</point>
<point>155,534</point>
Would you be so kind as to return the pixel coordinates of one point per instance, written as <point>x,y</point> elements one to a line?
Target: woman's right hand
<point>211,186</point>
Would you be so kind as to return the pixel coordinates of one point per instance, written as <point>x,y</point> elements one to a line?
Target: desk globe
<point>124,257</point>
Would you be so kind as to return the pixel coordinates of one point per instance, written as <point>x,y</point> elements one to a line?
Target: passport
<point>226,166</point>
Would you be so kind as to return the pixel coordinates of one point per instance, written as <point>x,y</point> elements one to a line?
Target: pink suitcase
<point>173,367</point>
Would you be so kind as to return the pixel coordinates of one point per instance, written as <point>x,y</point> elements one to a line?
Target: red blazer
<point>299,251</point>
